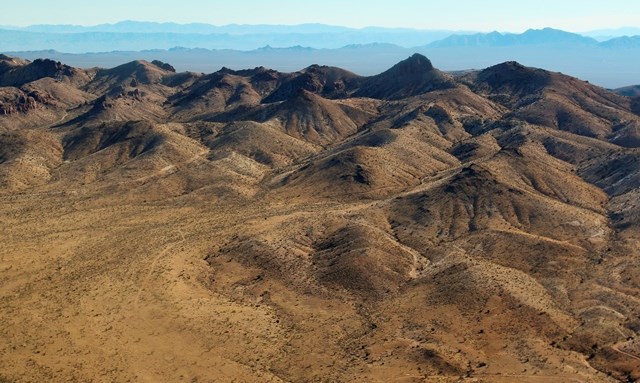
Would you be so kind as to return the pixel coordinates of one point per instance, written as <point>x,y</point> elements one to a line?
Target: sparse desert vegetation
<point>319,226</point>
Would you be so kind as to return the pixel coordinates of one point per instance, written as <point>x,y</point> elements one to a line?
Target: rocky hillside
<point>317,225</point>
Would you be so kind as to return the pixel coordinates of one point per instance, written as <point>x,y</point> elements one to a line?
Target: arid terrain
<point>317,226</point>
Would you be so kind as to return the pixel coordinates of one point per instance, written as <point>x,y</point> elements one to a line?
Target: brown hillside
<point>316,226</point>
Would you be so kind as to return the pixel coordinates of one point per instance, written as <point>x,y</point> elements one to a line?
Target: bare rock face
<point>40,97</point>
<point>6,108</point>
<point>19,102</point>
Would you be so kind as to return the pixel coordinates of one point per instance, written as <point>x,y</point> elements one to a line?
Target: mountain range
<point>608,63</point>
<point>317,225</point>
<point>547,36</point>
<point>606,34</point>
<point>134,35</point>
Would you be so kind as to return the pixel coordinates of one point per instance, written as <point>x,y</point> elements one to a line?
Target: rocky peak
<point>415,64</point>
<point>163,65</point>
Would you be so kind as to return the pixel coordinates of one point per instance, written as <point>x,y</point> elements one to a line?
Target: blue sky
<point>481,15</point>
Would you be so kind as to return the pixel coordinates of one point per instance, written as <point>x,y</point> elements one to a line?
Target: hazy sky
<point>482,15</point>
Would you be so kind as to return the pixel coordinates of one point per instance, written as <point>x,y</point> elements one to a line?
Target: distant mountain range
<point>131,26</point>
<point>606,34</point>
<point>547,36</point>
<point>134,35</point>
<point>206,48</point>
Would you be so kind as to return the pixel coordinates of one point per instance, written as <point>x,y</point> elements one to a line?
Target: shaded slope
<point>219,92</point>
<point>136,72</point>
<point>17,73</point>
<point>312,118</point>
<point>413,76</point>
<point>559,101</point>
<point>329,82</point>
<point>264,143</point>
<point>131,91</point>
<point>629,91</point>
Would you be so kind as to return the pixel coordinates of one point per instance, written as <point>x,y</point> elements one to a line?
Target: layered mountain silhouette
<point>529,37</point>
<point>483,225</point>
<point>606,58</point>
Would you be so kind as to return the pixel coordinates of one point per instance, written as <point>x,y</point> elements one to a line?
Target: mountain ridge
<point>608,64</point>
<point>317,225</point>
<point>248,37</point>
<point>545,36</point>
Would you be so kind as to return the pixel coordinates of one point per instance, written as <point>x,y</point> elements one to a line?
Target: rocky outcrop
<point>163,65</point>
<point>36,70</point>
<point>18,102</point>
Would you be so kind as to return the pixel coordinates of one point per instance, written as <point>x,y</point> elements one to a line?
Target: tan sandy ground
<point>110,292</point>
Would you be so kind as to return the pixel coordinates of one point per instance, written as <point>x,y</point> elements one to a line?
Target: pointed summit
<point>415,64</point>
<point>411,77</point>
